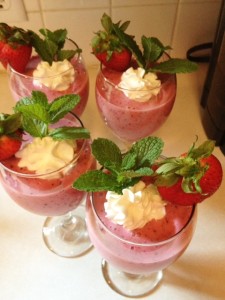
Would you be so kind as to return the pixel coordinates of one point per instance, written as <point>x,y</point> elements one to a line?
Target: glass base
<point>130,285</point>
<point>67,235</point>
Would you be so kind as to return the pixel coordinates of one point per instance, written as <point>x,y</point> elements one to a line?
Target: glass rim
<point>26,76</point>
<point>34,175</point>
<point>137,244</point>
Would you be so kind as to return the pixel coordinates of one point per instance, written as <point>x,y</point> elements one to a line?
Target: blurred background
<point>178,23</point>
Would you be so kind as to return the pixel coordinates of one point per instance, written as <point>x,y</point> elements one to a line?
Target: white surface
<point>28,270</point>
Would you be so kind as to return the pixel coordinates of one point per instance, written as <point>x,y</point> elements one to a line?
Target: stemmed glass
<point>51,194</point>
<point>133,262</point>
<point>66,80</point>
<point>128,119</point>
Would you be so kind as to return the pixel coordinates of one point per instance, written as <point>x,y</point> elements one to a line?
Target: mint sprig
<point>50,47</point>
<point>120,170</point>
<point>37,114</point>
<point>152,51</point>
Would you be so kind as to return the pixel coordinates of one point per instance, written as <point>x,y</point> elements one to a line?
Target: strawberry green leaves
<point>38,114</point>
<point>189,167</point>
<point>9,123</point>
<point>120,170</point>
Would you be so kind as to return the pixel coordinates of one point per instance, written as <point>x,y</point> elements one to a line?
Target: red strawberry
<point>191,178</point>
<point>109,48</point>
<point>10,135</point>
<point>16,55</point>
<point>15,48</point>
<point>119,61</point>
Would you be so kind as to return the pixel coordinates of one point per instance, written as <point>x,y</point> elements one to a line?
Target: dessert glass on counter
<point>142,208</point>
<point>39,176</point>
<point>136,86</point>
<point>63,77</point>
<point>132,114</point>
<point>133,261</point>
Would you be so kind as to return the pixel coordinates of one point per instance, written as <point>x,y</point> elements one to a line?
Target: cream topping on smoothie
<point>58,76</point>
<point>136,206</point>
<point>138,85</point>
<point>46,155</point>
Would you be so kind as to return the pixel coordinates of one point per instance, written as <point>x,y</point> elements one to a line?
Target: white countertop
<point>28,270</point>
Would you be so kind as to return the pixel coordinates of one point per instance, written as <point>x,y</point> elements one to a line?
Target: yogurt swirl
<point>136,206</point>
<point>58,76</point>
<point>139,86</point>
<point>46,155</point>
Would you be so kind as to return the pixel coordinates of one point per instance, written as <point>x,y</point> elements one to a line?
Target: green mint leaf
<point>174,65</point>
<point>35,128</point>
<point>107,153</point>
<point>153,49</point>
<point>147,150</point>
<point>124,170</point>
<point>40,47</point>
<point>62,105</point>
<point>58,36</point>
<point>39,97</point>
<point>50,48</point>
<point>36,97</point>
<point>67,54</point>
<point>66,133</point>
<point>38,114</point>
<point>131,44</point>
<point>128,161</point>
<point>34,111</point>
<point>96,180</point>
<point>137,174</point>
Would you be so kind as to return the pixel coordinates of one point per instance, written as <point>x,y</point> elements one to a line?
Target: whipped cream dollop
<point>58,76</point>
<point>138,85</point>
<point>136,206</point>
<point>45,155</point>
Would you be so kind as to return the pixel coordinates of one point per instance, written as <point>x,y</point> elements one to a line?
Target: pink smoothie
<point>48,196</point>
<point>22,85</point>
<point>131,120</point>
<point>145,250</point>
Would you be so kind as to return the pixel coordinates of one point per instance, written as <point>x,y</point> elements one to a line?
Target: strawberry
<point>190,178</point>
<point>10,135</point>
<point>108,47</point>
<point>15,47</point>
<point>118,61</point>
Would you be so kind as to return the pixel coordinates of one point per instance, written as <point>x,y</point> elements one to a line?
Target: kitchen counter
<point>28,270</point>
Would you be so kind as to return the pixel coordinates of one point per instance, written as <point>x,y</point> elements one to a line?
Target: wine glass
<point>51,194</point>
<point>67,79</point>
<point>133,261</point>
<point>130,119</point>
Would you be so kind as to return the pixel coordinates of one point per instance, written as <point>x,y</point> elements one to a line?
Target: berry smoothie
<point>48,194</point>
<point>144,250</point>
<point>22,85</point>
<point>128,119</point>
